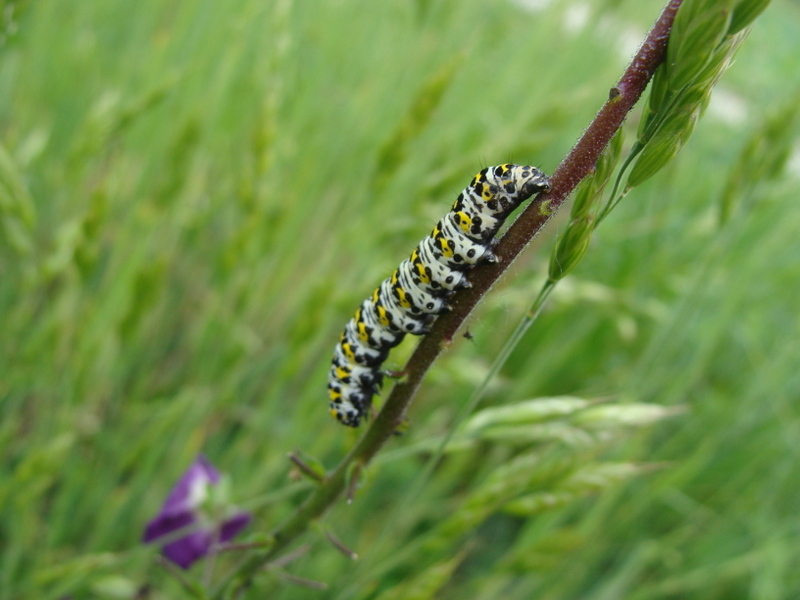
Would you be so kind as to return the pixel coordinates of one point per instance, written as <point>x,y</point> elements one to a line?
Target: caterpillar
<point>410,299</point>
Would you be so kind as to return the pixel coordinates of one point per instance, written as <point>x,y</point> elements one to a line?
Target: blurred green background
<point>195,196</point>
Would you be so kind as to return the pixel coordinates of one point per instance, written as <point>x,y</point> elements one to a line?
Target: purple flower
<point>193,507</point>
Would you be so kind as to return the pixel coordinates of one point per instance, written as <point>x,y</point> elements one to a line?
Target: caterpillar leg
<point>396,375</point>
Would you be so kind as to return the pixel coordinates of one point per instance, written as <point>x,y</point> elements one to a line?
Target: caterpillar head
<point>504,187</point>
<point>530,181</point>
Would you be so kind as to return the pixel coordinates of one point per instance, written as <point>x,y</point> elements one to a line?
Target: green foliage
<point>17,214</point>
<point>571,247</point>
<point>762,160</point>
<point>427,584</point>
<point>188,216</point>
<point>392,153</point>
<point>701,47</point>
<point>744,13</point>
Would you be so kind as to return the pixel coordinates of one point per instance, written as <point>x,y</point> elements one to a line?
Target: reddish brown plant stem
<point>577,165</point>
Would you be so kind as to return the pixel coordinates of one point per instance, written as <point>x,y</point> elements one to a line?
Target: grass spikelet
<point>524,412</point>
<point>698,30</point>
<point>763,158</point>
<point>587,480</point>
<point>570,247</point>
<point>745,12</point>
<point>426,584</point>
<point>634,414</point>
<point>702,45</point>
<point>17,213</point>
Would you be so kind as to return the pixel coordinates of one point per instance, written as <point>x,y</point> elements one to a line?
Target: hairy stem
<point>578,164</point>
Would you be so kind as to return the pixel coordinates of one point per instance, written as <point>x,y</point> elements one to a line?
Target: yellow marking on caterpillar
<point>348,352</point>
<point>362,332</point>
<point>423,276</point>
<point>403,296</point>
<point>343,372</point>
<point>464,221</point>
<point>382,316</point>
<point>444,246</point>
<point>419,267</point>
<point>486,192</point>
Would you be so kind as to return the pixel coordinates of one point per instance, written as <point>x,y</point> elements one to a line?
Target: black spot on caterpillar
<point>409,300</point>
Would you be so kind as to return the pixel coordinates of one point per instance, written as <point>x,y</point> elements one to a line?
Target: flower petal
<point>190,490</point>
<point>165,524</point>
<point>187,550</point>
<point>233,525</point>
